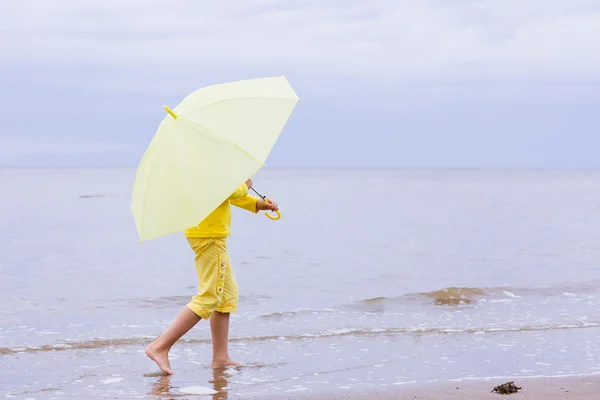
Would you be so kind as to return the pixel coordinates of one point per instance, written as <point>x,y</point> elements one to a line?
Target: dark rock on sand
<point>507,388</point>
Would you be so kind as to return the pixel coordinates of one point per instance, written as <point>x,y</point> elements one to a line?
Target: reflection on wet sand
<point>220,383</point>
<point>163,389</point>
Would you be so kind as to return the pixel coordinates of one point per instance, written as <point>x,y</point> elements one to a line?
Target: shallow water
<point>372,279</point>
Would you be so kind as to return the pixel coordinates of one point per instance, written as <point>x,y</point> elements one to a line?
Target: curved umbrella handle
<point>272,217</point>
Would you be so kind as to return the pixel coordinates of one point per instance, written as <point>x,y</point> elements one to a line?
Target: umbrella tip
<point>167,109</point>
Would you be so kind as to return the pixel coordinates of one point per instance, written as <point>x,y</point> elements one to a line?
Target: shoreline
<point>540,388</point>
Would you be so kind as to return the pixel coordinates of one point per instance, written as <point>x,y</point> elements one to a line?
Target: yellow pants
<point>217,288</point>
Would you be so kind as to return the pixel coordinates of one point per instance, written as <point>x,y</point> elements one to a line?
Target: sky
<point>383,83</point>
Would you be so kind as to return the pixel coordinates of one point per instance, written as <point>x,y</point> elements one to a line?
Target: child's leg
<point>219,321</point>
<point>158,350</point>
<point>219,328</point>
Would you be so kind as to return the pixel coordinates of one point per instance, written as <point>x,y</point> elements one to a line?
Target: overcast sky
<point>384,83</point>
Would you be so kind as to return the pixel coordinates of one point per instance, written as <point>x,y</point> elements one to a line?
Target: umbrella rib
<point>180,176</point>
<point>224,139</point>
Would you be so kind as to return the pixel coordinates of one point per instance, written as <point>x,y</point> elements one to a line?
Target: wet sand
<point>584,388</point>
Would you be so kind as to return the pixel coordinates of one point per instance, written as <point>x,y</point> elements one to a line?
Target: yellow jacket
<point>218,223</point>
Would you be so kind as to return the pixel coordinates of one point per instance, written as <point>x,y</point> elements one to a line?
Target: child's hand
<point>263,205</point>
<point>249,183</point>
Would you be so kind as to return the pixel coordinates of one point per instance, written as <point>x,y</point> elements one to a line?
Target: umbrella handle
<point>272,217</point>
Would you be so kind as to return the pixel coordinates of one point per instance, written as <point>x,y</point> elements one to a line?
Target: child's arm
<point>240,198</point>
<point>247,202</point>
<point>254,204</point>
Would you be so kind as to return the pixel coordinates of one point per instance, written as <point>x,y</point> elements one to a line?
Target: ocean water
<point>371,280</point>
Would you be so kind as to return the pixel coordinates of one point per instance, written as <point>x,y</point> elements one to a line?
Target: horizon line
<point>334,168</point>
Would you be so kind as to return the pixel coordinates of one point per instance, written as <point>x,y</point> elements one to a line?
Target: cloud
<point>33,147</point>
<point>31,151</point>
<point>394,41</point>
<point>432,82</point>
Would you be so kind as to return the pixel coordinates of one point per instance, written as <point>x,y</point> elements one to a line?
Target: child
<point>217,289</point>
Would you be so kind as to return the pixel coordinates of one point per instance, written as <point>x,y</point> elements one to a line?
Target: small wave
<point>513,377</point>
<point>421,331</point>
<point>299,311</point>
<point>94,196</point>
<point>456,296</point>
<point>453,296</point>
<point>374,300</point>
<point>87,344</point>
<point>140,340</point>
<point>160,302</point>
<point>447,296</point>
<point>14,394</point>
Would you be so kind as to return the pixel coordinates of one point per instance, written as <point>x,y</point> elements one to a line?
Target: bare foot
<point>228,362</point>
<point>161,358</point>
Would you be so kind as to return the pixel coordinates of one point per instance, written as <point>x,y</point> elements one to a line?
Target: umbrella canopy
<point>207,146</point>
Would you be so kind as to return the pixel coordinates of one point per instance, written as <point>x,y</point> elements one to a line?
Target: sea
<point>371,280</point>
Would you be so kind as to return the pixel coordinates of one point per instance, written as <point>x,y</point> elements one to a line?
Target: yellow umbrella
<point>207,146</point>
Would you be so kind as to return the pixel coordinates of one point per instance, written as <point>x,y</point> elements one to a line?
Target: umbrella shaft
<point>258,194</point>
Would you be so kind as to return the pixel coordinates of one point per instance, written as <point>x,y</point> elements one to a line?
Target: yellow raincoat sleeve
<point>240,198</point>
<point>247,203</point>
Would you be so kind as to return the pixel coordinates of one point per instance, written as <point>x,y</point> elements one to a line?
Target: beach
<point>466,278</point>
<point>585,388</point>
